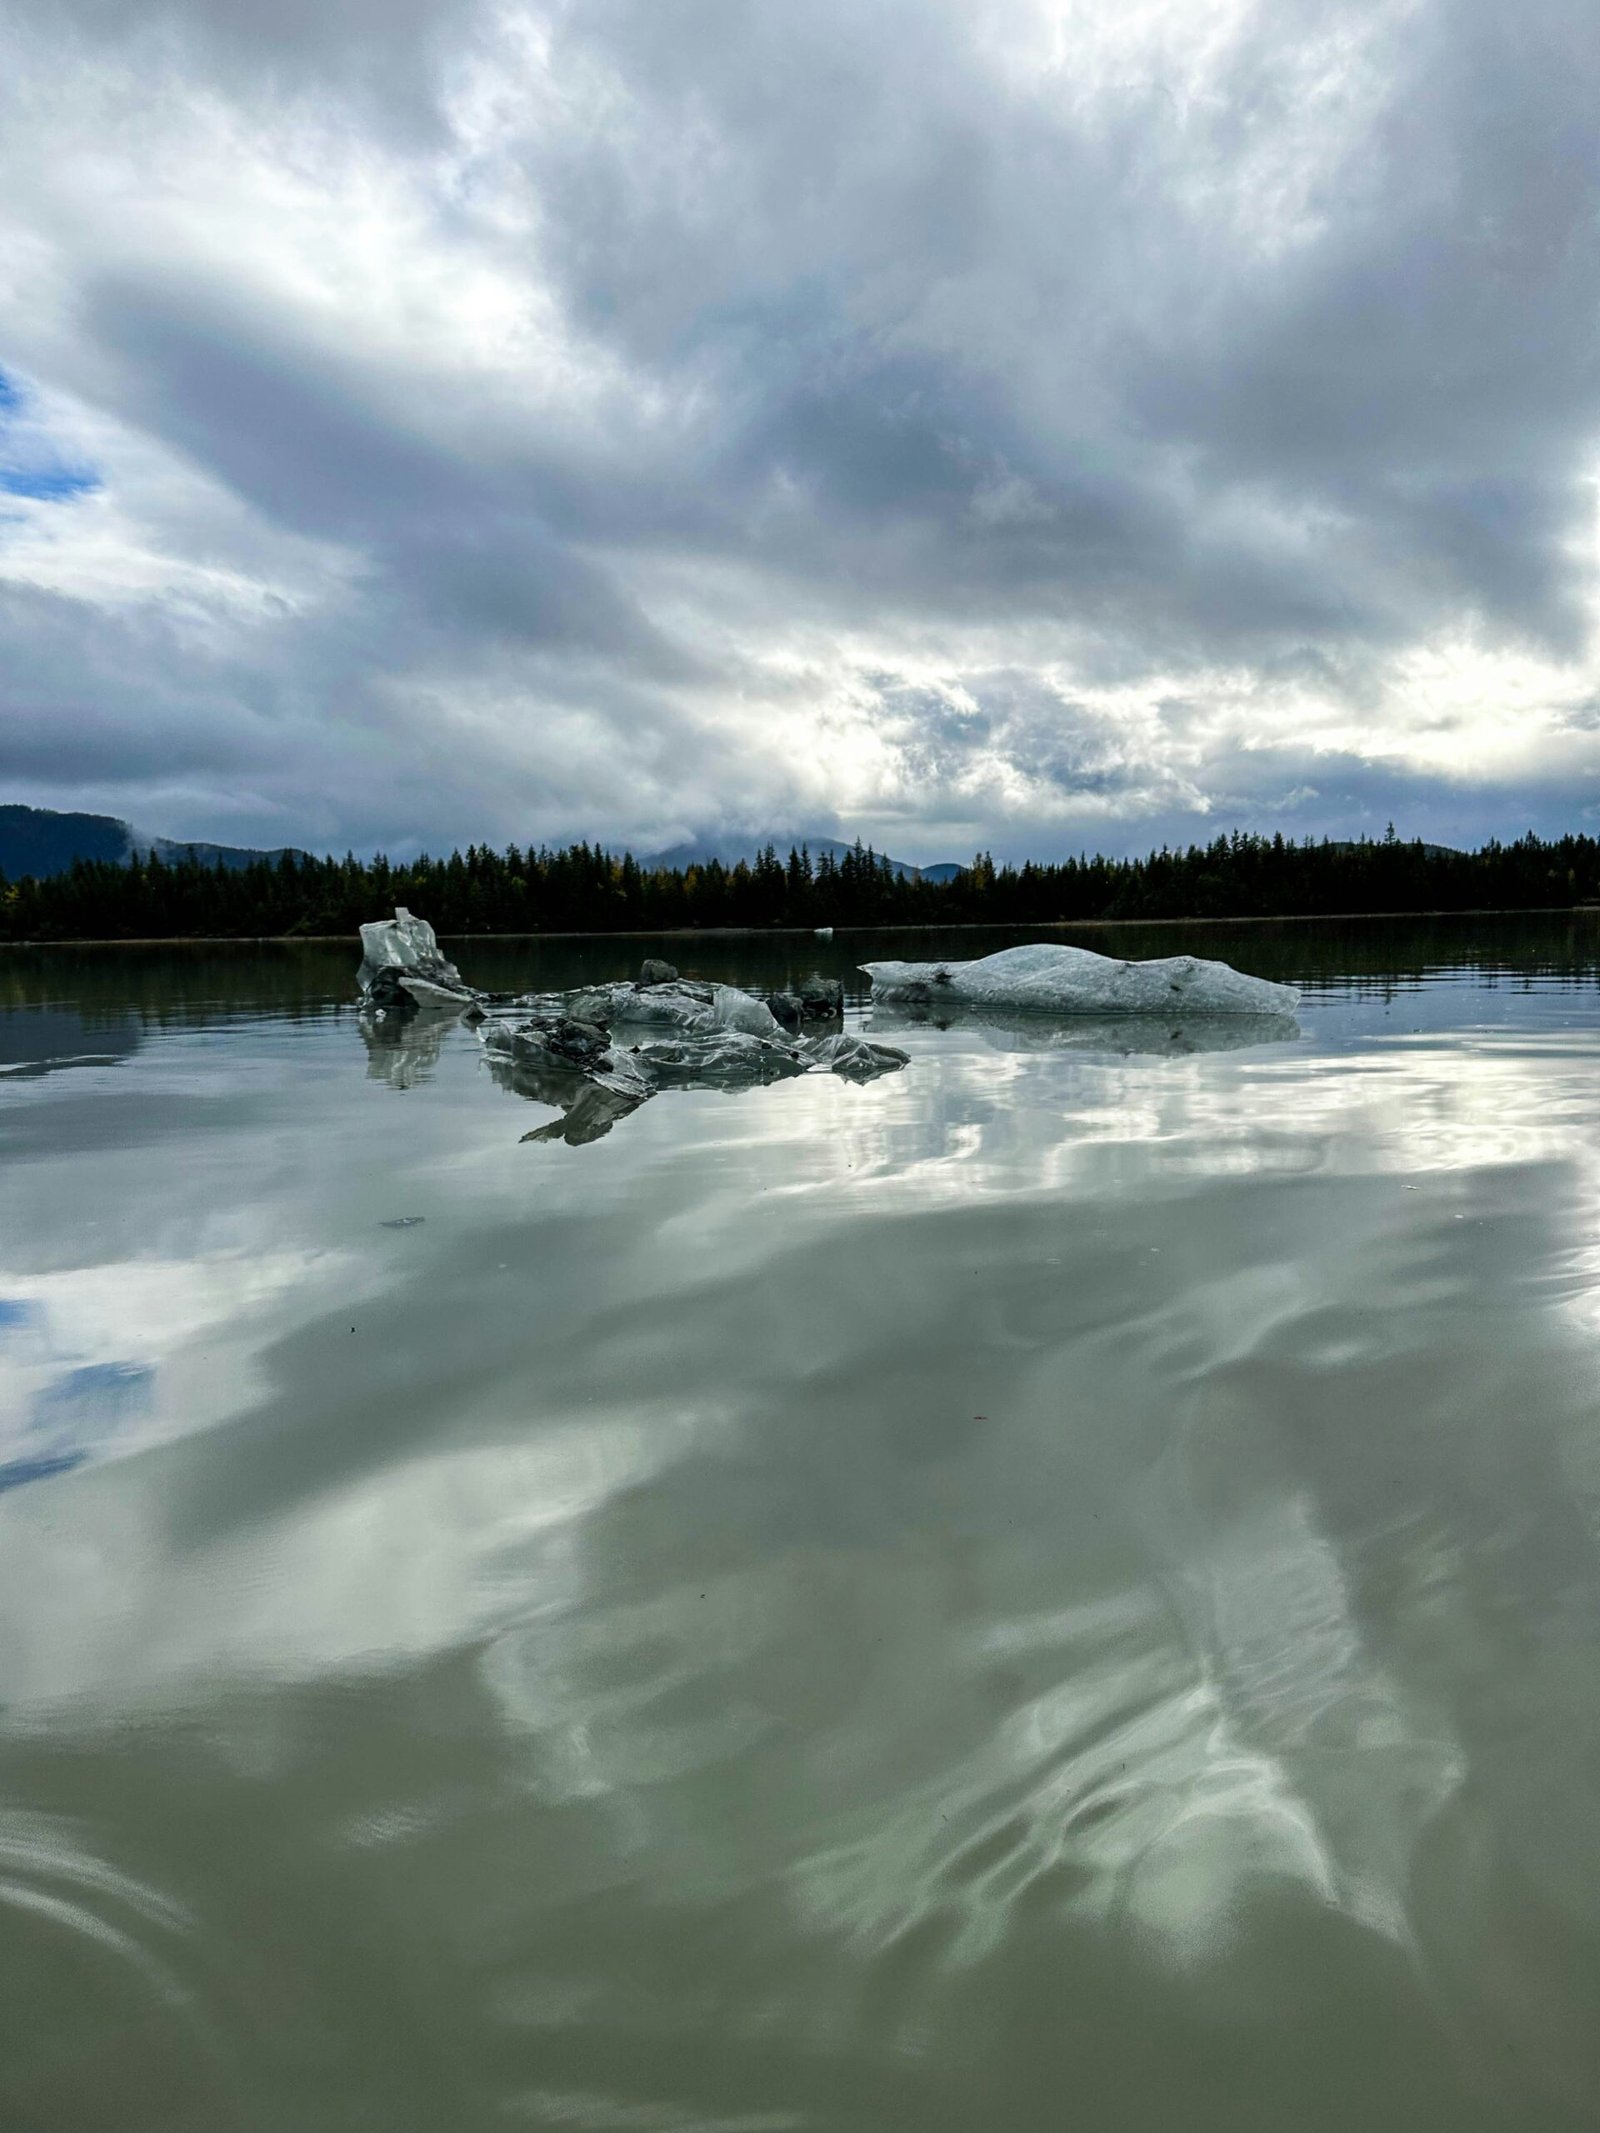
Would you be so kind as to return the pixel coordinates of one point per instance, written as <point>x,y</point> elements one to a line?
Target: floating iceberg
<point>570,1049</point>
<point>1051,978</point>
<point>401,965</point>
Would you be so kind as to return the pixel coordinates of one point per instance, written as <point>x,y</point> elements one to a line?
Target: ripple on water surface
<point>1060,1585</point>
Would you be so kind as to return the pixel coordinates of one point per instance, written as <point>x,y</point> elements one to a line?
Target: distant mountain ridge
<point>729,851</point>
<point>42,841</point>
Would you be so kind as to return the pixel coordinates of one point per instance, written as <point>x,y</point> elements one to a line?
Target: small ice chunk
<point>1054,979</point>
<point>854,1057</point>
<point>732,1009</point>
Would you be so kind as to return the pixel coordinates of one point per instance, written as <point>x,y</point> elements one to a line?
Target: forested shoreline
<point>584,888</point>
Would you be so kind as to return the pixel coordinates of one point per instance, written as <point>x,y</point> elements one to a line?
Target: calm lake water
<point>1057,1589</point>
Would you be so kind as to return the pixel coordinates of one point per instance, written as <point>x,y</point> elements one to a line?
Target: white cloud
<point>1034,424</point>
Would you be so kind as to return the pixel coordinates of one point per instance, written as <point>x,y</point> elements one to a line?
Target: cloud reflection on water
<point>1137,1502</point>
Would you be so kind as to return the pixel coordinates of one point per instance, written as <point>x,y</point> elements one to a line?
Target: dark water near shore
<point>1061,1587</point>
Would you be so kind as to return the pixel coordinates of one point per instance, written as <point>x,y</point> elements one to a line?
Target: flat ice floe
<point>1051,978</point>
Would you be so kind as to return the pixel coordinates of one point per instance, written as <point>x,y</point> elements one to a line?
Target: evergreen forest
<point>586,889</point>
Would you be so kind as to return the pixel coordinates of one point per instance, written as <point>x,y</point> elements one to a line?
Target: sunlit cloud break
<point>1032,425</point>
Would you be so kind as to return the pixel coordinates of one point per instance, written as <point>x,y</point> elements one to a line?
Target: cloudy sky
<point>1017,422</point>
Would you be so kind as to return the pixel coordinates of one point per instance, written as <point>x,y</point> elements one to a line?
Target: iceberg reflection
<point>403,1049</point>
<point>1142,1036</point>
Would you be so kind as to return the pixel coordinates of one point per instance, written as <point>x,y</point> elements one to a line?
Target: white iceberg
<point>1051,978</point>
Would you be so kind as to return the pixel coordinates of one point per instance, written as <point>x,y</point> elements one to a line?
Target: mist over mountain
<point>41,842</point>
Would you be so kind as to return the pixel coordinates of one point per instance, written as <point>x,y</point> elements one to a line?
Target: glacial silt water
<point>1058,1588</point>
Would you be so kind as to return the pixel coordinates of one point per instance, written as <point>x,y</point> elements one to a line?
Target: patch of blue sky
<point>32,465</point>
<point>16,1312</point>
<point>48,484</point>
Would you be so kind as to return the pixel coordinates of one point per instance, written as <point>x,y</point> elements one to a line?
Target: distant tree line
<point>585,888</point>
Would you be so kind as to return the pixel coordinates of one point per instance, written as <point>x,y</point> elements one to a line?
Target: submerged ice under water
<point>1059,1583</point>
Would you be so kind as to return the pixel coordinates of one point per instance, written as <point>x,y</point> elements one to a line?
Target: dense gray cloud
<point>1034,423</point>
